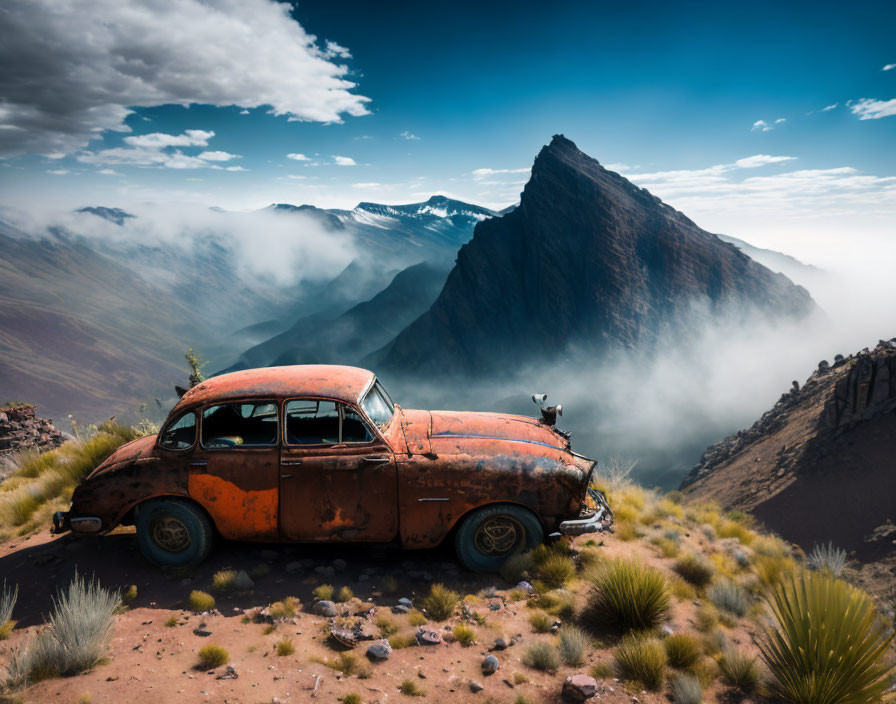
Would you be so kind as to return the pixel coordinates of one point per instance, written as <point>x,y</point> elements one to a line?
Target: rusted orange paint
<point>237,514</point>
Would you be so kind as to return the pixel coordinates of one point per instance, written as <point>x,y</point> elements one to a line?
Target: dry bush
<point>683,650</point>
<point>628,595</point>
<point>641,659</point>
<point>200,601</point>
<point>694,569</point>
<point>572,644</point>
<point>440,602</point>
<point>212,656</point>
<point>542,656</point>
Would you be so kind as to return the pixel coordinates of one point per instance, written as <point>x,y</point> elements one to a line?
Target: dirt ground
<point>150,662</point>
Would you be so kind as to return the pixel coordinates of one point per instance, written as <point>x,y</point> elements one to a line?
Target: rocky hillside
<point>819,466</point>
<point>21,428</point>
<point>587,259</point>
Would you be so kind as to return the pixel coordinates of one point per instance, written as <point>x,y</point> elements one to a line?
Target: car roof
<point>326,380</point>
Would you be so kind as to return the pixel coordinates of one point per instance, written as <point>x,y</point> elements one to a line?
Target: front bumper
<point>600,519</point>
<point>63,522</point>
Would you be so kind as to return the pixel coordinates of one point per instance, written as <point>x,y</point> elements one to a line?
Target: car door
<point>337,475</point>
<point>234,471</point>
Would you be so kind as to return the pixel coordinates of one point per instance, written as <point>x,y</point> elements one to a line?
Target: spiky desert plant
<point>540,621</point>
<point>542,656</point>
<point>827,558</point>
<point>572,644</point>
<point>828,644</point>
<point>694,569</point>
<point>739,670</point>
<point>8,597</point>
<point>686,689</point>
<point>730,597</point>
<point>556,570</point>
<point>641,659</point>
<point>628,595</point>
<point>323,592</point>
<point>440,602</point>
<point>683,650</point>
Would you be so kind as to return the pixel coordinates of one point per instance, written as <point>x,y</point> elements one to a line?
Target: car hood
<point>440,431</point>
<point>138,449</point>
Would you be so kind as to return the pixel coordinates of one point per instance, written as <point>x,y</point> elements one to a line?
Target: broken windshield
<point>378,406</point>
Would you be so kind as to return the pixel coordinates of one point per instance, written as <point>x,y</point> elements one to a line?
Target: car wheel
<point>490,535</point>
<point>173,533</point>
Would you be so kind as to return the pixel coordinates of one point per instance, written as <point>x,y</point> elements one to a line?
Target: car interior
<point>239,424</point>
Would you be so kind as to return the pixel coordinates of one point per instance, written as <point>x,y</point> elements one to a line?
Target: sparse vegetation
<point>464,635</point>
<point>694,569</point>
<point>686,689</point>
<point>828,644</point>
<point>411,688</point>
<point>601,671</point>
<point>389,584</point>
<point>345,594</point>
<point>682,650</point>
<point>200,601</point>
<point>556,570</point>
<point>401,640</point>
<point>287,608</point>
<point>346,663</point>
<point>285,647</point>
<point>260,571</point>
<point>730,597</point>
<point>416,617</point>
<point>641,659</point>
<point>628,595</point>
<point>8,597</point>
<point>542,656</point>
<point>351,698</point>
<point>323,592</point>
<point>387,626</point>
<point>222,580</point>
<point>516,568</point>
<point>172,621</point>
<point>129,594</point>
<point>827,558</point>
<point>540,621</point>
<point>440,602</point>
<point>573,642</point>
<point>739,670</point>
<point>212,656</point>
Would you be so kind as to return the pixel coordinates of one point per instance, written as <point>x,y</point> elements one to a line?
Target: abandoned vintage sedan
<point>317,453</point>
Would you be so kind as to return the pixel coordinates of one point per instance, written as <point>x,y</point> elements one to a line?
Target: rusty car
<point>320,453</point>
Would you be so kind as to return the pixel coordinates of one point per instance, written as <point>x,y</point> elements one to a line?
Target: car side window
<point>230,425</point>
<point>180,434</point>
<point>354,429</point>
<point>312,422</point>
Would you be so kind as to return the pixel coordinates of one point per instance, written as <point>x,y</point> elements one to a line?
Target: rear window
<point>230,425</point>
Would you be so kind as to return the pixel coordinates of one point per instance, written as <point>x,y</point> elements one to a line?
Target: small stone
<point>400,609</point>
<point>500,644</point>
<point>526,587</point>
<point>578,688</point>
<point>379,651</point>
<point>425,637</point>
<point>325,608</point>
<point>475,686</point>
<point>243,581</point>
<point>404,601</point>
<point>229,674</point>
<point>201,632</point>
<point>489,665</point>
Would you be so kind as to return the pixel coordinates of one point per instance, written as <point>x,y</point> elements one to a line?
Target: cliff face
<point>587,259</point>
<point>21,429</point>
<point>821,464</point>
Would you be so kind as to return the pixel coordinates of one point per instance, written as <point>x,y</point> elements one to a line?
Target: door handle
<point>376,460</point>
<point>287,476</point>
<point>290,462</point>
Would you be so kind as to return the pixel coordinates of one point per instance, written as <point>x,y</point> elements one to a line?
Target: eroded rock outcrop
<point>21,428</point>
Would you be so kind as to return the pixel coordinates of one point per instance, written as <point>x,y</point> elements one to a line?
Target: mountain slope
<point>587,259</point>
<point>819,465</point>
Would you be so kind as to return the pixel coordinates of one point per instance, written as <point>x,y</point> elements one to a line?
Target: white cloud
<point>752,162</point>
<point>108,172</point>
<point>235,168</point>
<point>295,156</point>
<point>218,156</point>
<point>368,185</point>
<point>344,160</point>
<point>830,107</point>
<point>58,172</point>
<point>761,125</point>
<point>868,109</point>
<point>480,174</point>
<point>93,62</point>
<point>780,120</point>
<point>244,112</point>
<point>158,140</point>
<point>155,150</point>
<point>409,135</point>
<point>888,67</point>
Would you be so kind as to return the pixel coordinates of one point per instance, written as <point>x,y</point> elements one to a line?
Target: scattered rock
<point>325,608</point>
<point>500,644</point>
<point>243,581</point>
<point>489,665</point>
<point>201,632</point>
<point>404,601</point>
<point>526,587</point>
<point>425,637</point>
<point>344,637</point>
<point>400,609</point>
<point>578,688</point>
<point>228,674</point>
<point>475,686</point>
<point>379,651</point>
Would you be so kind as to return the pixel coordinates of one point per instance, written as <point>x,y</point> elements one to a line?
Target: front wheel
<point>490,535</point>
<point>173,533</point>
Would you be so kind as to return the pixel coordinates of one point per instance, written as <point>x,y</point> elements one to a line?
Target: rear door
<point>234,471</point>
<point>337,475</point>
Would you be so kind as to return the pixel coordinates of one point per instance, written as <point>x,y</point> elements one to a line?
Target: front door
<point>234,471</point>
<point>337,476</point>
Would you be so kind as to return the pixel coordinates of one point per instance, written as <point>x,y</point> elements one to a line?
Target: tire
<point>173,533</point>
<point>490,535</point>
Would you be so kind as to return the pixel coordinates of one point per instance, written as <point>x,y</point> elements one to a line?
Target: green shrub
<point>516,568</point>
<point>739,670</point>
<point>683,650</point>
<point>642,660</point>
<point>686,689</point>
<point>416,618</point>
<point>351,698</point>
<point>559,603</point>
<point>287,608</point>
<point>628,595</point>
<point>540,622</point>
<point>828,644</point>
<point>129,594</point>
<point>730,597</point>
<point>222,580</point>
<point>411,689</point>
<point>827,558</point>
<point>694,569</point>
<point>285,647</point>
<point>345,594</point>
<point>556,570</point>
<point>573,642</point>
<point>199,601</point>
<point>8,597</point>
<point>464,635</point>
<point>440,602</point>
<point>212,656</point>
<point>323,593</point>
<point>542,656</point>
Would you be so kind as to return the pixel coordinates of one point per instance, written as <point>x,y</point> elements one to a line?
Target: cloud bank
<point>73,70</point>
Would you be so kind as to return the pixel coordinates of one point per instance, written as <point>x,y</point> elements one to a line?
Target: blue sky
<point>717,107</point>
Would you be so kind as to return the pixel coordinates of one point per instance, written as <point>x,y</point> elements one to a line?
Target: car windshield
<point>378,406</point>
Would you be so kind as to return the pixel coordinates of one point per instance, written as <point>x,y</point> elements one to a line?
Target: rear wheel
<point>173,533</point>
<point>490,535</point>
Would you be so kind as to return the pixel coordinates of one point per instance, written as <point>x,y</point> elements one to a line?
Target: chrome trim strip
<point>433,499</point>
